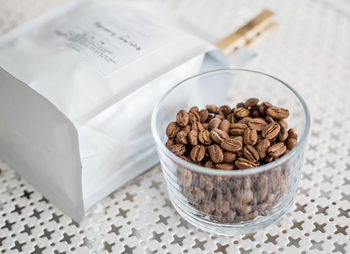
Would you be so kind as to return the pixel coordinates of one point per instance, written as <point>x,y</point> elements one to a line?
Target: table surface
<point>311,51</point>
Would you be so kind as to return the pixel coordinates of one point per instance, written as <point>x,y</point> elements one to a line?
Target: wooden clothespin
<point>250,34</point>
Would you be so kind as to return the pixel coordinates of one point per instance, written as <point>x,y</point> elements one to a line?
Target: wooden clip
<point>248,35</point>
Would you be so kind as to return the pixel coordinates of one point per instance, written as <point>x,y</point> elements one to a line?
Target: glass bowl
<point>236,201</point>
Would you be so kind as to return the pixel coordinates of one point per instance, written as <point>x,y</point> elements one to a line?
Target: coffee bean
<point>181,138</point>
<point>218,135</point>
<point>231,145</point>
<point>169,143</point>
<point>268,159</point>
<point>214,123</point>
<point>206,126</point>
<point>276,150</point>
<point>225,126</point>
<point>277,113</point>
<point>292,134</point>
<point>198,126</point>
<point>210,116</point>
<point>204,137</point>
<point>251,153</point>
<point>186,128</point>
<point>193,137</point>
<point>226,109</point>
<point>194,109</point>
<point>269,119</point>
<point>239,138</point>
<point>251,102</point>
<point>216,153</point>
<point>213,108</point>
<point>271,130</point>
<point>182,118</point>
<point>242,163</point>
<point>245,120</point>
<point>185,177</point>
<point>229,157</point>
<point>283,135</point>
<point>209,164</point>
<point>291,143</point>
<point>231,118</point>
<point>193,117</point>
<point>263,107</point>
<point>255,113</point>
<point>241,112</point>
<point>178,149</point>
<point>250,137</point>
<point>240,105</point>
<point>203,115</point>
<point>221,117</point>
<point>257,124</point>
<point>283,123</point>
<point>197,153</point>
<point>172,129</point>
<point>224,166</point>
<point>237,129</point>
<point>262,148</point>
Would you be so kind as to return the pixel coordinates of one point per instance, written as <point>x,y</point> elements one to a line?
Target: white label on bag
<point>112,40</point>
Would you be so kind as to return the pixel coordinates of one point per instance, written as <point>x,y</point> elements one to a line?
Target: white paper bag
<point>77,88</point>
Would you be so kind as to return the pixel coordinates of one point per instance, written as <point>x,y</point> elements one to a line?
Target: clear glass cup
<point>237,201</point>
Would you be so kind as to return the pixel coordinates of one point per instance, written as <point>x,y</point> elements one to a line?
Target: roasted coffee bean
<point>221,117</point>
<point>225,126</point>
<point>241,112</point>
<point>251,153</point>
<point>276,150</point>
<point>218,135</point>
<point>277,113</point>
<point>229,157</point>
<point>209,164</point>
<point>245,120</point>
<point>243,163</point>
<point>292,134</point>
<point>182,118</point>
<point>237,129</point>
<point>226,109</point>
<point>231,118</point>
<point>194,109</point>
<point>186,128</point>
<point>214,123</point>
<point>250,137</point>
<point>263,107</point>
<point>169,143</point>
<point>210,116</point>
<point>204,137</point>
<point>193,117</point>
<point>257,124</point>
<point>269,119</point>
<point>268,159</point>
<point>262,148</point>
<point>283,124</point>
<point>206,182</point>
<point>203,115</point>
<point>291,142</point>
<point>240,105</point>
<point>193,137</point>
<point>251,102</point>
<point>213,109</point>
<point>271,130</point>
<point>197,153</point>
<point>178,149</point>
<point>185,177</point>
<point>216,154</point>
<point>224,166</point>
<point>172,129</point>
<point>283,135</point>
<point>198,126</point>
<point>255,113</point>
<point>231,145</point>
<point>181,138</point>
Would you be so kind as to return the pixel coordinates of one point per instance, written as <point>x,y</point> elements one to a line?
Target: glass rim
<point>209,171</point>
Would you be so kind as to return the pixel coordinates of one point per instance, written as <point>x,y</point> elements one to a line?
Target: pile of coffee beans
<point>244,137</point>
<point>225,138</point>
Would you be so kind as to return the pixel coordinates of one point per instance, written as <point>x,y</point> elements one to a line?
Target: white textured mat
<point>311,51</point>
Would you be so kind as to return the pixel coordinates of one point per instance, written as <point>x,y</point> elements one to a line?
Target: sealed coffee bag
<point>77,88</point>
